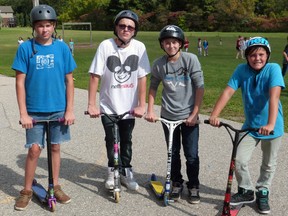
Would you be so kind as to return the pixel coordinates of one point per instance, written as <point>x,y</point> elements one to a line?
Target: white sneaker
<point>109,184</point>
<point>128,180</point>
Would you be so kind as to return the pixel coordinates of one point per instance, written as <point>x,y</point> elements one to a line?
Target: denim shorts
<point>59,132</point>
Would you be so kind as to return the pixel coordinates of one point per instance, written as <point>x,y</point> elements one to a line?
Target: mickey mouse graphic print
<point>119,69</point>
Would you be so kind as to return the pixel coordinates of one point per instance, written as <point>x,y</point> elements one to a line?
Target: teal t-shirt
<point>255,89</point>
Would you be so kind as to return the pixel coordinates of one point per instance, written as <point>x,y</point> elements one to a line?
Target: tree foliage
<point>191,15</point>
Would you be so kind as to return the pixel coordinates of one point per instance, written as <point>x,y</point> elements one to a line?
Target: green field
<point>217,67</point>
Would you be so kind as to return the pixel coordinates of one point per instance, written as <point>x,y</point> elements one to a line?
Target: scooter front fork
<point>167,199</point>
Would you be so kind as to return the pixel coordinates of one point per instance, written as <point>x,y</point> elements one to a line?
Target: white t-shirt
<point>120,69</point>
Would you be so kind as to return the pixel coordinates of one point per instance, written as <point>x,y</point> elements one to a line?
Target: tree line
<point>190,15</point>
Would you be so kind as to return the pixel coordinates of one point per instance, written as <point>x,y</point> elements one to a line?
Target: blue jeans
<point>190,138</point>
<point>125,137</point>
<point>59,132</point>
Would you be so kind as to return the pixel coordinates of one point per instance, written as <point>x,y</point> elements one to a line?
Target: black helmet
<point>258,41</point>
<point>129,15</point>
<point>172,31</point>
<point>42,12</point>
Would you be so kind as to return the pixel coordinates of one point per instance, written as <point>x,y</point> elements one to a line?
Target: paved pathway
<point>84,167</point>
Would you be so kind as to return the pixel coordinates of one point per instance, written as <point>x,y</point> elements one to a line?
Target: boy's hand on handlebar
<point>191,120</point>
<point>69,118</point>
<point>214,121</point>
<point>139,111</point>
<point>93,112</point>
<point>26,122</point>
<point>266,130</point>
<point>150,116</point>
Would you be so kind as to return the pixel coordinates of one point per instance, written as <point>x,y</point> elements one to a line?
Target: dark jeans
<point>125,132</point>
<point>190,138</point>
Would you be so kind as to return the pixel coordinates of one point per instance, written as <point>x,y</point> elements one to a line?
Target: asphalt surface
<point>83,168</point>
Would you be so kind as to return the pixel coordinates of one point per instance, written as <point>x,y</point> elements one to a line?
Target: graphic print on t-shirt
<point>122,72</point>
<point>45,61</point>
<point>177,78</point>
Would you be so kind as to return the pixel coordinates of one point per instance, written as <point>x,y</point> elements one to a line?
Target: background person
<point>186,44</point>
<point>199,47</point>
<point>20,40</point>
<point>71,46</point>
<point>285,60</point>
<point>205,47</point>
<point>238,45</point>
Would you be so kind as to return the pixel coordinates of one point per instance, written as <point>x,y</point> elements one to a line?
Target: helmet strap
<point>123,42</point>
<point>171,56</point>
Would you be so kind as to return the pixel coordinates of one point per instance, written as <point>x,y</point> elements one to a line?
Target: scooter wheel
<point>117,196</point>
<point>166,201</point>
<point>53,206</point>
<point>34,182</point>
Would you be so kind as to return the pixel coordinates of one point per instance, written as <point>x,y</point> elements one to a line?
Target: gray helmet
<point>172,31</point>
<point>42,12</point>
<point>258,41</point>
<point>129,15</point>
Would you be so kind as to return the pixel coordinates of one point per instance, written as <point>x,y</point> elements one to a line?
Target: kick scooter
<point>46,196</point>
<point>160,190</point>
<point>229,210</point>
<point>115,119</point>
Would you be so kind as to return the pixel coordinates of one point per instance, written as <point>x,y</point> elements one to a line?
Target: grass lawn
<point>217,67</point>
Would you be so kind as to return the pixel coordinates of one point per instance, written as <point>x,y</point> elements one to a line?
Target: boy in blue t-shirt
<point>261,84</point>
<point>45,91</point>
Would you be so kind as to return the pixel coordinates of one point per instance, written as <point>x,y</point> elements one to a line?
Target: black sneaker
<point>243,196</point>
<point>177,189</point>
<point>262,201</point>
<point>194,197</point>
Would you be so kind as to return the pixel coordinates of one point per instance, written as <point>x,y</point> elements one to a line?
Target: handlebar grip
<point>206,121</point>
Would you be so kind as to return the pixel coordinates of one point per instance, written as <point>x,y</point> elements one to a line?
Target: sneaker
<point>109,184</point>
<point>262,201</point>
<point>243,196</point>
<point>128,180</point>
<point>23,200</point>
<point>60,196</point>
<point>194,197</point>
<point>177,189</point>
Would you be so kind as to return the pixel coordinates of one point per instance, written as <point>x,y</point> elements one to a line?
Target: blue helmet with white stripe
<point>258,42</point>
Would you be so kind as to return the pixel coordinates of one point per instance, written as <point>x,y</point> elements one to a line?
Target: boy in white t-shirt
<point>122,65</point>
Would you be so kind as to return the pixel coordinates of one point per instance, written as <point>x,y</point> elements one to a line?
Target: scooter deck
<point>157,186</point>
<point>234,209</point>
<point>40,192</point>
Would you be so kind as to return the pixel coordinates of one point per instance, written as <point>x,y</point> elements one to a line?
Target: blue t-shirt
<point>255,89</point>
<point>45,70</point>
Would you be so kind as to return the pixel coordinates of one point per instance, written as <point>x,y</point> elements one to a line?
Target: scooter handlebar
<point>35,121</point>
<point>206,121</point>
